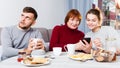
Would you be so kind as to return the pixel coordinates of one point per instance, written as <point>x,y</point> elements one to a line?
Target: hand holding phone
<point>88,39</point>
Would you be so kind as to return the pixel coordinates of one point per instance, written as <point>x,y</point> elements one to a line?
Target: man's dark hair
<point>31,10</point>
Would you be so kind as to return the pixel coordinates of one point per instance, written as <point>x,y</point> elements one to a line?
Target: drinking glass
<point>111,44</point>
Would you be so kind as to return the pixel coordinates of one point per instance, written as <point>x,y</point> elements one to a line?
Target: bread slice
<point>39,60</point>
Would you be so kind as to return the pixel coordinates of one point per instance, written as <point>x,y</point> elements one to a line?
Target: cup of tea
<point>35,41</point>
<point>70,49</point>
<point>57,51</point>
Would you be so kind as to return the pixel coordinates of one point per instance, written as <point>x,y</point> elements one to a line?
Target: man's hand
<point>40,44</point>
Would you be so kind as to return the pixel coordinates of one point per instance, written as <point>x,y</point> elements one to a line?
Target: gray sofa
<point>46,34</point>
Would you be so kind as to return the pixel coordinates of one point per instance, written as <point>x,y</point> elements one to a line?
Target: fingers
<point>86,46</point>
<point>31,45</point>
<point>97,42</point>
<point>118,51</point>
<point>35,44</point>
<point>85,42</point>
<point>82,43</point>
<point>39,45</point>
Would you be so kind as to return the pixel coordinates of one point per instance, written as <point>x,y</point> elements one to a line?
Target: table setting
<point>60,61</point>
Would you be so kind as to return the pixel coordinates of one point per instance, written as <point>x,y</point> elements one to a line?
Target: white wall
<point>50,12</point>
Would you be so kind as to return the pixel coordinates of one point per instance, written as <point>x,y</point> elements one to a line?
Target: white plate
<point>35,65</point>
<point>80,59</point>
<point>75,58</point>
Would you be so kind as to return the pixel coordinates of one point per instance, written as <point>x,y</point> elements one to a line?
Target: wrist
<point>87,50</point>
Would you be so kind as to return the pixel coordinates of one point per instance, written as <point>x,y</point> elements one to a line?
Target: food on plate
<point>102,55</point>
<point>27,60</point>
<point>99,58</point>
<point>81,56</point>
<point>39,60</point>
<point>35,60</point>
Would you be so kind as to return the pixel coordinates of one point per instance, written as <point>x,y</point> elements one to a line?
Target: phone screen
<point>88,39</point>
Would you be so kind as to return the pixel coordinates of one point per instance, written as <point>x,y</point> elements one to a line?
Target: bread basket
<point>102,55</point>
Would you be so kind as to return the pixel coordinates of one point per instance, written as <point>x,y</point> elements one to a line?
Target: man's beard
<point>25,27</point>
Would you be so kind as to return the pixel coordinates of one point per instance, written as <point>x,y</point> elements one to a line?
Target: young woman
<point>69,33</point>
<point>100,33</point>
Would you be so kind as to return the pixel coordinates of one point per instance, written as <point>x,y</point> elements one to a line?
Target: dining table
<point>62,61</point>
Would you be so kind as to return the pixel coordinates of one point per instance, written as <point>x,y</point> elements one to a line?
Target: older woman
<point>69,33</point>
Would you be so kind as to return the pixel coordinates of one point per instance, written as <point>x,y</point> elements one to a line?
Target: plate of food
<point>81,56</point>
<point>102,55</point>
<point>35,61</point>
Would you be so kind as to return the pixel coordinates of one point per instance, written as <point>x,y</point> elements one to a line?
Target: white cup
<point>35,40</point>
<point>70,49</point>
<point>111,44</point>
<point>57,51</point>
<point>113,49</point>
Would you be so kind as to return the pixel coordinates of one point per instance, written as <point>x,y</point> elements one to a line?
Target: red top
<point>63,35</point>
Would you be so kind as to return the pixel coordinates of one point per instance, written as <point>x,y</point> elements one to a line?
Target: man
<point>19,37</point>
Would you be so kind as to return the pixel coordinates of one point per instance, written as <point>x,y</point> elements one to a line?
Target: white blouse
<point>103,33</point>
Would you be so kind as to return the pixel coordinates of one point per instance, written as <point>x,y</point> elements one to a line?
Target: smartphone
<point>88,39</point>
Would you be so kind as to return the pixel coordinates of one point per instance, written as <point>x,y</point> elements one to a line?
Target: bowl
<point>102,55</point>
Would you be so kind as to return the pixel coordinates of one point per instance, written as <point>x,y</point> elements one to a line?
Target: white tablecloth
<point>62,61</point>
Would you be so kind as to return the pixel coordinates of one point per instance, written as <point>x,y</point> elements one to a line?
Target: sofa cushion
<point>45,34</point>
<point>49,34</point>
